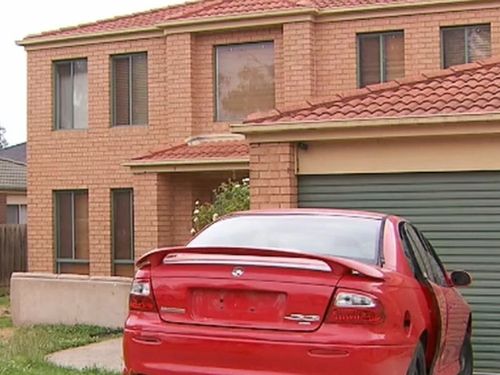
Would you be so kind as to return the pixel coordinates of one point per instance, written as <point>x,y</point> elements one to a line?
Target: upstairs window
<point>72,231</point>
<point>381,57</point>
<point>244,80</point>
<point>71,97</point>
<point>130,89</point>
<point>465,44</point>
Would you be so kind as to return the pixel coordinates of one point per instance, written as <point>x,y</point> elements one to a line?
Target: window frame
<point>128,56</point>
<point>18,208</point>
<point>56,126</point>
<point>114,260</point>
<point>465,28</point>
<point>431,252</point>
<point>420,271</point>
<point>73,260</point>
<point>381,36</point>
<point>420,250</point>
<point>215,72</point>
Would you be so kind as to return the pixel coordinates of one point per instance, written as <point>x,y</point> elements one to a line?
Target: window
<point>72,231</point>
<point>381,57</point>
<point>424,254</point>
<point>123,232</point>
<point>435,264</point>
<point>342,236</point>
<point>244,80</point>
<point>130,89</point>
<point>71,99</point>
<point>465,44</point>
<point>16,214</point>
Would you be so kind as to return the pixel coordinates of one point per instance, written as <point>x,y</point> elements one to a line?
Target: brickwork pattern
<point>273,181</point>
<point>336,72</point>
<point>312,60</point>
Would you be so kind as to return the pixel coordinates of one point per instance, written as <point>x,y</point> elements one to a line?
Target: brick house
<point>133,119</point>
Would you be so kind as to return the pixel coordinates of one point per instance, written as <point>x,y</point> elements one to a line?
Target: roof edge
<point>286,131</point>
<point>138,163</point>
<point>312,11</point>
<point>20,163</point>
<point>195,165</point>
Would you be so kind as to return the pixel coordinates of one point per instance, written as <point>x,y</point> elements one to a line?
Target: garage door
<point>458,212</point>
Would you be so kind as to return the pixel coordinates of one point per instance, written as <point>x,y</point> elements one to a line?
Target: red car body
<point>252,311</point>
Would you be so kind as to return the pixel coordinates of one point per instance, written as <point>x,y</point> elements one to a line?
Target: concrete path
<point>106,355</point>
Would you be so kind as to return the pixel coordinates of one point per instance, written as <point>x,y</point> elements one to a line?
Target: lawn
<point>5,321</point>
<point>22,350</point>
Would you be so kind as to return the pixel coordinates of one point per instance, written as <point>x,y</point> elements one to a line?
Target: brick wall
<point>310,60</point>
<point>273,182</point>
<point>298,56</point>
<point>337,71</point>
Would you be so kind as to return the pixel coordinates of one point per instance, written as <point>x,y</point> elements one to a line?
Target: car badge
<point>238,272</point>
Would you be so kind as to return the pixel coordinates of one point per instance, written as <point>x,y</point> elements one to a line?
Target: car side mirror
<point>460,278</point>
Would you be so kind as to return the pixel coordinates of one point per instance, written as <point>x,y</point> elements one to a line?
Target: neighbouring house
<point>360,104</point>
<point>14,152</point>
<point>13,200</point>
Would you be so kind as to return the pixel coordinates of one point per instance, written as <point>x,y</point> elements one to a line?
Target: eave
<point>439,125</point>
<point>202,165</point>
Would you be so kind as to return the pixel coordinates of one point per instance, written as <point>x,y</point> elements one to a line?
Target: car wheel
<point>417,365</point>
<point>466,357</point>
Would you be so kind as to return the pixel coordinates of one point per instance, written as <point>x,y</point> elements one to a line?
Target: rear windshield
<point>342,236</point>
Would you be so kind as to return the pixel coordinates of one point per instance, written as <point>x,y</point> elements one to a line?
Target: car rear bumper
<point>175,354</point>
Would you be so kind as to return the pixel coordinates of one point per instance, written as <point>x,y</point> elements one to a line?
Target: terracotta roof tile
<point>215,150</point>
<point>468,89</point>
<point>204,9</point>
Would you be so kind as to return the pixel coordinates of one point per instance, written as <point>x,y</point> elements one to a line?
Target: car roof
<point>313,211</point>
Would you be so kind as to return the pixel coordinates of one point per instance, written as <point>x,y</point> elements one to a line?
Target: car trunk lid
<point>244,288</point>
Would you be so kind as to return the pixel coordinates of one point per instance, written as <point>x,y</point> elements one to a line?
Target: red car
<point>299,292</point>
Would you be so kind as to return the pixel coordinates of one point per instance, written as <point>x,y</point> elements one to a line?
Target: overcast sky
<point>19,18</point>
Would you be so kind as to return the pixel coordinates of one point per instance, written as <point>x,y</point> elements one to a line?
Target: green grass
<point>24,353</point>
<point>5,321</point>
<point>4,301</point>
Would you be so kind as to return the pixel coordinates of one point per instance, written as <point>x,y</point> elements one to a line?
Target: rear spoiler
<point>258,257</point>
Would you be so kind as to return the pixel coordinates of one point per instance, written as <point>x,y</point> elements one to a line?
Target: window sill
<point>133,126</point>
<point>69,130</point>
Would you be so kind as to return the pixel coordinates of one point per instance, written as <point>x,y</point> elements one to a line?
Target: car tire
<point>466,357</point>
<point>417,364</point>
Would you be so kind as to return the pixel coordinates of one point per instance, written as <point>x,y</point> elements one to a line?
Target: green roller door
<point>458,212</point>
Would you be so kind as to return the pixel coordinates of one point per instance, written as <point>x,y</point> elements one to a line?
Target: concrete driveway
<point>106,355</point>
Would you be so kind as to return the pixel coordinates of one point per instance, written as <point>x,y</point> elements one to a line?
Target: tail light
<point>352,307</point>
<point>141,294</point>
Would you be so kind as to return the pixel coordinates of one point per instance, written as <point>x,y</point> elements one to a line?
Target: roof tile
<point>214,150</point>
<point>471,89</point>
<point>203,9</point>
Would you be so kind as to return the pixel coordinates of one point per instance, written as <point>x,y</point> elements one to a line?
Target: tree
<point>230,196</point>
<point>3,140</point>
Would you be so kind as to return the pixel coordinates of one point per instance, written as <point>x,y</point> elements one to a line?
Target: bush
<point>230,196</point>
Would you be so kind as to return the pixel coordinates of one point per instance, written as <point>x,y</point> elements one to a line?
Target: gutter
<point>484,123</point>
<point>188,165</point>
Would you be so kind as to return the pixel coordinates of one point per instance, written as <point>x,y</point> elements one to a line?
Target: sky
<point>19,18</point>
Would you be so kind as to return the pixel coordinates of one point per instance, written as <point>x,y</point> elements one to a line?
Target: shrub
<point>230,196</point>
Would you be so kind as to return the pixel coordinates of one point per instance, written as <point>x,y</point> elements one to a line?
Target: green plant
<point>24,353</point>
<point>230,196</point>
